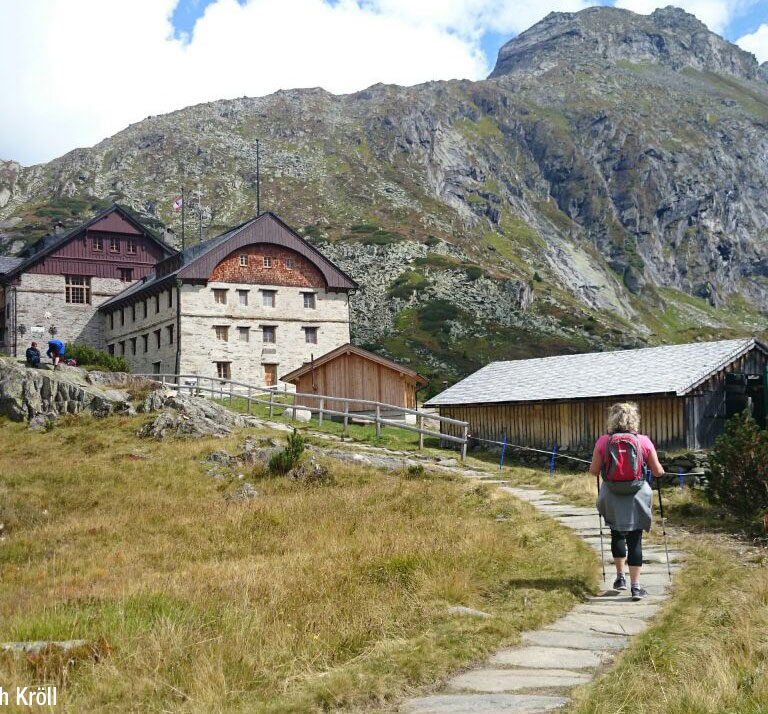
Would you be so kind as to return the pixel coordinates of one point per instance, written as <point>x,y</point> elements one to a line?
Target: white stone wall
<point>41,302</point>
<point>117,331</point>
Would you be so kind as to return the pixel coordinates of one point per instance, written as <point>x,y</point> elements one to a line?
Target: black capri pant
<point>629,545</point>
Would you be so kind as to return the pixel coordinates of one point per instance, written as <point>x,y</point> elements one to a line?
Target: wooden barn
<point>354,373</point>
<point>685,394</point>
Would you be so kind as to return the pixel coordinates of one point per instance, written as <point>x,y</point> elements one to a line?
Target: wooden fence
<point>221,388</point>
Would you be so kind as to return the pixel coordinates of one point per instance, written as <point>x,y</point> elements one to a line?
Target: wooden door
<point>270,375</point>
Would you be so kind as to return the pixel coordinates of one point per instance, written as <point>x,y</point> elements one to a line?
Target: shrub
<point>432,241</point>
<point>98,358</point>
<point>283,461</point>
<point>737,478</point>
<point>474,272</point>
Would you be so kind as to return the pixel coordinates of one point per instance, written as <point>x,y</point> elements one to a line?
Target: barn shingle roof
<point>672,369</point>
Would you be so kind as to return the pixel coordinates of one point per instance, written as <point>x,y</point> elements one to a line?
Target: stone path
<point>537,675</point>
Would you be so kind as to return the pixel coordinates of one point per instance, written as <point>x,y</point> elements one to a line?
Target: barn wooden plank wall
<point>572,425</point>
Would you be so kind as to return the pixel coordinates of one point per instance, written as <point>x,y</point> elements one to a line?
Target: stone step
<point>598,624</point>
<point>537,657</point>
<point>512,680</point>
<point>483,704</point>
<point>576,640</point>
<point>629,609</point>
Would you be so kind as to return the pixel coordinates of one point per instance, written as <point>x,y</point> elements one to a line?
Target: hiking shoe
<point>638,593</point>
<point>620,583</point>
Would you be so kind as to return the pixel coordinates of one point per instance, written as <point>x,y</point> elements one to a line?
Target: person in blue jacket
<point>33,355</point>
<point>56,349</point>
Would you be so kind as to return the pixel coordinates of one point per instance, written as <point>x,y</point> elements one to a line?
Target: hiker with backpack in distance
<point>624,499</point>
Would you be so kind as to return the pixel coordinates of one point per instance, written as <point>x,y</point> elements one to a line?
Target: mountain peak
<point>668,36</point>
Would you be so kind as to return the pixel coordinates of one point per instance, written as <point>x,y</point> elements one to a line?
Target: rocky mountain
<point>607,185</point>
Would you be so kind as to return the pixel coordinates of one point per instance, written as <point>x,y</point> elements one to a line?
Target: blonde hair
<point>623,417</point>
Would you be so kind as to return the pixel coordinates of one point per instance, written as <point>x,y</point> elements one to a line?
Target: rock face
<point>38,395</point>
<point>607,186</point>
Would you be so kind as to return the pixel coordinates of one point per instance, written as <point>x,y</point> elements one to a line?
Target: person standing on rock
<point>56,349</point>
<point>32,355</point>
<point>624,501</point>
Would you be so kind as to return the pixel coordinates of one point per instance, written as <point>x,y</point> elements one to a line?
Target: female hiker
<point>625,496</point>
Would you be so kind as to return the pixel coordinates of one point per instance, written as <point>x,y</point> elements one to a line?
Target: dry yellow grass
<point>302,599</point>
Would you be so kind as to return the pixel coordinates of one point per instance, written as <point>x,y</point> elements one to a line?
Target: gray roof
<point>672,369</point>
<point>7,263</point>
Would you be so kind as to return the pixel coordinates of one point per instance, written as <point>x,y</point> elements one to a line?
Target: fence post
<point>320,413</point>
<point>420,424</point>
<point>294,406</point>
<point>346,417</point>
<point>378,421</point>
<point>464,443</point>
<point>249,399</point>
<point>271,395</point>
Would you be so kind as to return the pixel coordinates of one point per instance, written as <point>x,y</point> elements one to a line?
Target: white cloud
<point>756,43</point>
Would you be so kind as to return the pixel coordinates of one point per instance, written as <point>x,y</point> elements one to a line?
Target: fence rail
<point>253,394</point>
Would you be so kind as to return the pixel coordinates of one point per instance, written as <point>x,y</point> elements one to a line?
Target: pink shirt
<point>645,444</point>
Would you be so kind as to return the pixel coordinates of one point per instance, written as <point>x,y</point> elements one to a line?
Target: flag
<point>177,204</point>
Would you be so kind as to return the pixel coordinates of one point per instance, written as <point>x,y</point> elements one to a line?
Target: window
<point>98,244</point>
<point>130,247</point>
<point>169,330</point>
<point>111,350</point>
<point>111,320</point>
<point>157,339</point>
<point>309,301</point>
<point>268,298</point>
<point>156,367</point>
<point>144,303</point>
<point>270,375</point>
<point>114,245</point>
<point>243,260</point>
<point>133,345</point>
<point>223,370</point>
<point>244,334</point>
<point>267,261</point>
<point>242,297</point>
<point>122,317</point>
<point>122,347</point>
<point>220,296</point>
<point>145,343</point>
<point>222,332</point>
<point>126,274</point>
<point>268,335</point>
<point>78,289</point>
<point>289,263</point>
<point>133,314</point>
<point>157,304</point>
<point>170,297</point>
<point>310,335</point>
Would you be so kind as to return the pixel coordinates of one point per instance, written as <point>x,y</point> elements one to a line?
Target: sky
<point>77,71</point>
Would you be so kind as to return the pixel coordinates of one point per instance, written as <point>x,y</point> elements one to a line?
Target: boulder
<point>312,473</point>
<point>167,425</point>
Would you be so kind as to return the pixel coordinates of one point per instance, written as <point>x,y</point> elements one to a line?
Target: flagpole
<point>183,206</point>
<point>258,182</point>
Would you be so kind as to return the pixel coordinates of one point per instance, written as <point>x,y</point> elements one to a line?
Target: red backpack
<point>623,458</point>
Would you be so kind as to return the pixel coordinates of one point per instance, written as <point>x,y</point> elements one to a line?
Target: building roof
<point>7,264</point>
<point>350,348</point>
<point>672,369</point>
<point>198,261</point>
<point>47,244</point>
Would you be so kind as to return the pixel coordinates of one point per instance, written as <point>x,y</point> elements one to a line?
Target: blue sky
<point>126,61</point>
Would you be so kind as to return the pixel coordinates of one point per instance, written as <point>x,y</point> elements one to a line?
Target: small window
<point>270,375</point>
<point>268,334</point>
<point>267,261</point>
<point>122,347</point>
<point>157,304</point>
<point>78,289</point>
<point>310,335</point>
<point>309,301</point>
<point>220,296</point>
<point>243,260</point>
<point>98,244</point>
<point>144,303</point>
<point>114,245</point>
<point>156,367</point>
<point>268,298</point>
<point>222,332</point>
<point>170,297</point>
<point>169,332</point>
<point>111,350</point>
<point>133,345</point>
<point>122,317</point>
<point>133,315</point>
<point>111,320</point>
<point>126,274</point>
<point>244,334</point>
<point>223,370</point>
<point>130,247</point>
<point>242,297</point>
<point>157,339</point>
<point>145,343</point>
<point>289,263</point>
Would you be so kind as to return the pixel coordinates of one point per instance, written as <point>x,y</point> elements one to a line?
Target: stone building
<point>56,288</point>
<point>249,304</point>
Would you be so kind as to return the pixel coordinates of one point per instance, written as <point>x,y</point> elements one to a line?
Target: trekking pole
<point>663,527</point>
<point>600,523</point>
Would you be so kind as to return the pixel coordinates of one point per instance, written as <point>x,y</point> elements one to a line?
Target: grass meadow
<point>302,599</point>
